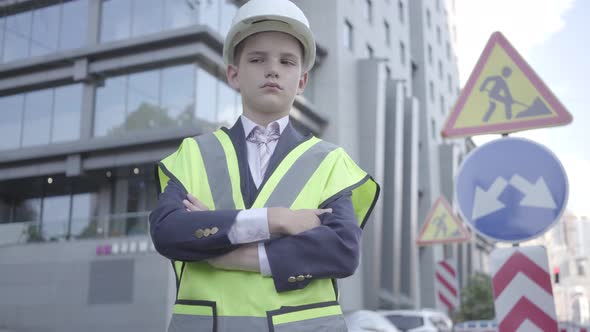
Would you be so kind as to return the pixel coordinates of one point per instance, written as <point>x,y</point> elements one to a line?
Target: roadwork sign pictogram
<point>503,95</point>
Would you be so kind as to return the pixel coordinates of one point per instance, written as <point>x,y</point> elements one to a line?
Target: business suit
<point>328,251</point>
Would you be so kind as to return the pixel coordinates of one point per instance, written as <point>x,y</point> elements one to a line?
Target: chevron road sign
<point>446,285</point>
<point>511,189</point>
<point>523,296</point>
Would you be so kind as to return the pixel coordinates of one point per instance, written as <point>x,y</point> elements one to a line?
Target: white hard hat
<point>270,15</point>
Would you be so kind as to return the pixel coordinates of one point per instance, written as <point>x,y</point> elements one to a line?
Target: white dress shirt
<point>252,225</point>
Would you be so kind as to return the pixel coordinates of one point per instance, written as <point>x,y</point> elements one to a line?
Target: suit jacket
<point>330,250</point>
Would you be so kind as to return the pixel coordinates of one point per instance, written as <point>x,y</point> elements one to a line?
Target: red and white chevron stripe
<point>523,296</point>
<point>446,285</point>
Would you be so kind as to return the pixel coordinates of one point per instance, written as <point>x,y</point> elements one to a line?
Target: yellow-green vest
<point>209,299</point>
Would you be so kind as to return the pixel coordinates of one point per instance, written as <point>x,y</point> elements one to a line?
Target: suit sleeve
<point>330,250</point>
<point>174,230</point>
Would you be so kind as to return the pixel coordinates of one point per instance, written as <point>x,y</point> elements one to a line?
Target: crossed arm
<point>320,243</point>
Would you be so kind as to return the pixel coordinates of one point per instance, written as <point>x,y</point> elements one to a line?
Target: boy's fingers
<point>319,212</point>
<point>196,202</point>
<point>189,206</point>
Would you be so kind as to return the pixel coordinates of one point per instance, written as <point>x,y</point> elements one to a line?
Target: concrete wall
<point>66,286</point>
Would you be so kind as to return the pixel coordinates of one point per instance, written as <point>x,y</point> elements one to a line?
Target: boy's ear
<point>232,76</point>
<point>302,83</point>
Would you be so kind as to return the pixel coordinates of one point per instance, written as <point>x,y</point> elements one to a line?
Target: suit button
<point>308,276</point>
<point>207,232</point>
<point>292,279</point>
<point>199,233</point>
<point>300,278</point>
<point>214,230</point>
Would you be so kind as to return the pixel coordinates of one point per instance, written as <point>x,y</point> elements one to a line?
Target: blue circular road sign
<point>511,189</point>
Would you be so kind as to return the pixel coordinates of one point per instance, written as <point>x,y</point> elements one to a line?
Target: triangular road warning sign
<point>503,95</point>
<point>441,226</point>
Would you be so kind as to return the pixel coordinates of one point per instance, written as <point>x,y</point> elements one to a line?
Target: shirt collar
<point>249,124</point>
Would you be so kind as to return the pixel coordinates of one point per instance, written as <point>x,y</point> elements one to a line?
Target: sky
<point>553,37</point>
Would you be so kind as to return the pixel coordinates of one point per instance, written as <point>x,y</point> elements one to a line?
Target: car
<point>425,320</point>
<point>367,320</point>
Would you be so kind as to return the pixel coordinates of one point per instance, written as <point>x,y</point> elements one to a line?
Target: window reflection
<point>55,215</point>
<point>16,37</point>
<point>147,17</point>
<point>74,24</point>
<point>181,13</point>
<point>66,113</point>
<point>115,20</point>
<point>37,119</point>
<point>143,99</point>
<point>110,106</point>
<point>28,209</point>
<point>177,93</point>
<point>206,95</point>
<point>5,211</point>
<point>11,108</point>
<point>209,14</point>
<point>123,19</point>
<point>45,30</point>
<point>84,212</point>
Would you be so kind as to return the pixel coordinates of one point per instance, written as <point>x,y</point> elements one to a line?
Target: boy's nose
<point>271,73</point>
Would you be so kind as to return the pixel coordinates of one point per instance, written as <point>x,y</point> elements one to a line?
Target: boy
<point>259,220</point>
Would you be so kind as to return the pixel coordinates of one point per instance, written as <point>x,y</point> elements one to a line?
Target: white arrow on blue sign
<point>511,189</point>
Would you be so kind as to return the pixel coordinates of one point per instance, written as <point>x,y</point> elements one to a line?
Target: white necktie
<point>262,137</point>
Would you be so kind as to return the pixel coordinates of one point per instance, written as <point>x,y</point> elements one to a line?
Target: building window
<point>450,83</point>
<point>388,71</point>
<point>448,47</point>
<point>370,51</point>
<point>44,30</point>
<point>151,99</point>
<point>431,88</point>
<point>400,11</point>
<point>402,53</point>
<point>443,109</point>
<point>123,19</point>
<point>430,54</point>
<point>438,35</point>
<point>428,19</point>
<point>11,109</point>
<point>438,5</point>
<point>433,127</point>
<point>348,35</point>
<point>41,117</point>
<point>440,70</point>
<point>387,33</point>
<point>369,10</point>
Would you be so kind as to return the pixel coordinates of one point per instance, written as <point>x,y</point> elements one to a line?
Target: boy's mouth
<point>271,85</point>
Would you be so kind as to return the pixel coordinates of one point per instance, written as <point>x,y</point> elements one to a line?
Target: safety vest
<point>209,299</point>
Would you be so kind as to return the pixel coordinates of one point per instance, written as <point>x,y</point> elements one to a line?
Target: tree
<point>477,300</point>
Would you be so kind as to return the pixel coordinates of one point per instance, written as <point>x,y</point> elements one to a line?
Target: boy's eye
<point>255,60</point>
<point>288,62</point>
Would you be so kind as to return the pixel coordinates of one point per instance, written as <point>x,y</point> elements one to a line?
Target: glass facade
<point>113,202</point>
<point>41,117</point>
<point>122,19</point>
<point>169,97</point>
<point>44,30</point>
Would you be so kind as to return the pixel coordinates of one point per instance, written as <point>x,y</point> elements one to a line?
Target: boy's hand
<point>244,258</point>
<point>193,204</point>
<point>292,222</point>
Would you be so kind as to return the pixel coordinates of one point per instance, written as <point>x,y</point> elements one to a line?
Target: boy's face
<point>268,73</point>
